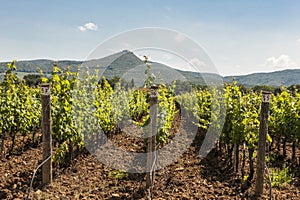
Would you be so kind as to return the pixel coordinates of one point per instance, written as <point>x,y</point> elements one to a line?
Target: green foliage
<point>251,119</point>
<point>259,88</point>
<point>63,125</point>
<point>281,176</point>
<point>114,81</point>
<point>120,174</point>
<point>20,106</point>
<point>202,108</point>
<point>60,152</point>
<point>166,112</point>
<point>233,126</point>
<point>198,103</point>
<point>104,108</point>
<point>83,109</point>
<point>82,105</point>
<point>284,115</point>
<point>33,79</point>
<point>111,106</point>
<point>139,106</point>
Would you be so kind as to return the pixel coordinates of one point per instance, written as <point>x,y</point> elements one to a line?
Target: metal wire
<point>29,189</point>
<point>269,181</point>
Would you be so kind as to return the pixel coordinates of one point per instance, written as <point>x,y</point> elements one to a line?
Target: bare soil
<point>189,177</point>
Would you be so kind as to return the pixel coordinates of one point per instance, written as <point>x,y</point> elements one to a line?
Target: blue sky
<point>239,36</point>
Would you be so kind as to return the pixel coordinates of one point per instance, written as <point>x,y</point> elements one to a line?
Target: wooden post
<point>261,151</point>
<point>47,133</point>
<point>152,137</point>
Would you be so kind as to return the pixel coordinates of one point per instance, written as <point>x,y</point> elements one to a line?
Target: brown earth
<point>188,177</point>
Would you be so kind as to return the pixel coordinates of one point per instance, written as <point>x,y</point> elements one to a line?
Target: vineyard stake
<point>46,131</point>
<point>152,138</point>
<point>261,151</point>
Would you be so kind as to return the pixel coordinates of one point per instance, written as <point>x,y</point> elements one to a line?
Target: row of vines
<point>242,122</point>
<point>84,104</point>
<point>20,109</point>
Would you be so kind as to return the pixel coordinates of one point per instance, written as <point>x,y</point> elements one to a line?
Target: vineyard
<point>82,103</point>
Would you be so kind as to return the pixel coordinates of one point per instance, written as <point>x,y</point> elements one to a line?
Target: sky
<point>239,36</point>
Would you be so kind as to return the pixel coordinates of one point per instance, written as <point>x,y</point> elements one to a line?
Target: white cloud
<point>281,61</point>
<point>298,40</point>
<point>88,26</point>
<point>82,28</point>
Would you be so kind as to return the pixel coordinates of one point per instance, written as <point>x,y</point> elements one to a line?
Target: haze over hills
<point>127,65</point>
<point>286,77</point>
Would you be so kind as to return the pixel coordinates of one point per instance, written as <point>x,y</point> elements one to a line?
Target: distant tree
<point>33,79</point>
<point>277,91</point>
<point>259,88</point>
<point>243,88</point>
<point>294,88</point>
<point>112,82</point>
<point>183,86</point>
<point>132,83</point>
<point>198,87</point>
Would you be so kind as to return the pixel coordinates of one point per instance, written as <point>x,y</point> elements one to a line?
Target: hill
<point>127,65</point>
<point>286,77</point>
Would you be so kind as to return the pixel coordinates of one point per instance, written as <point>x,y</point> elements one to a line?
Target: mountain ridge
<point>126,62</point>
